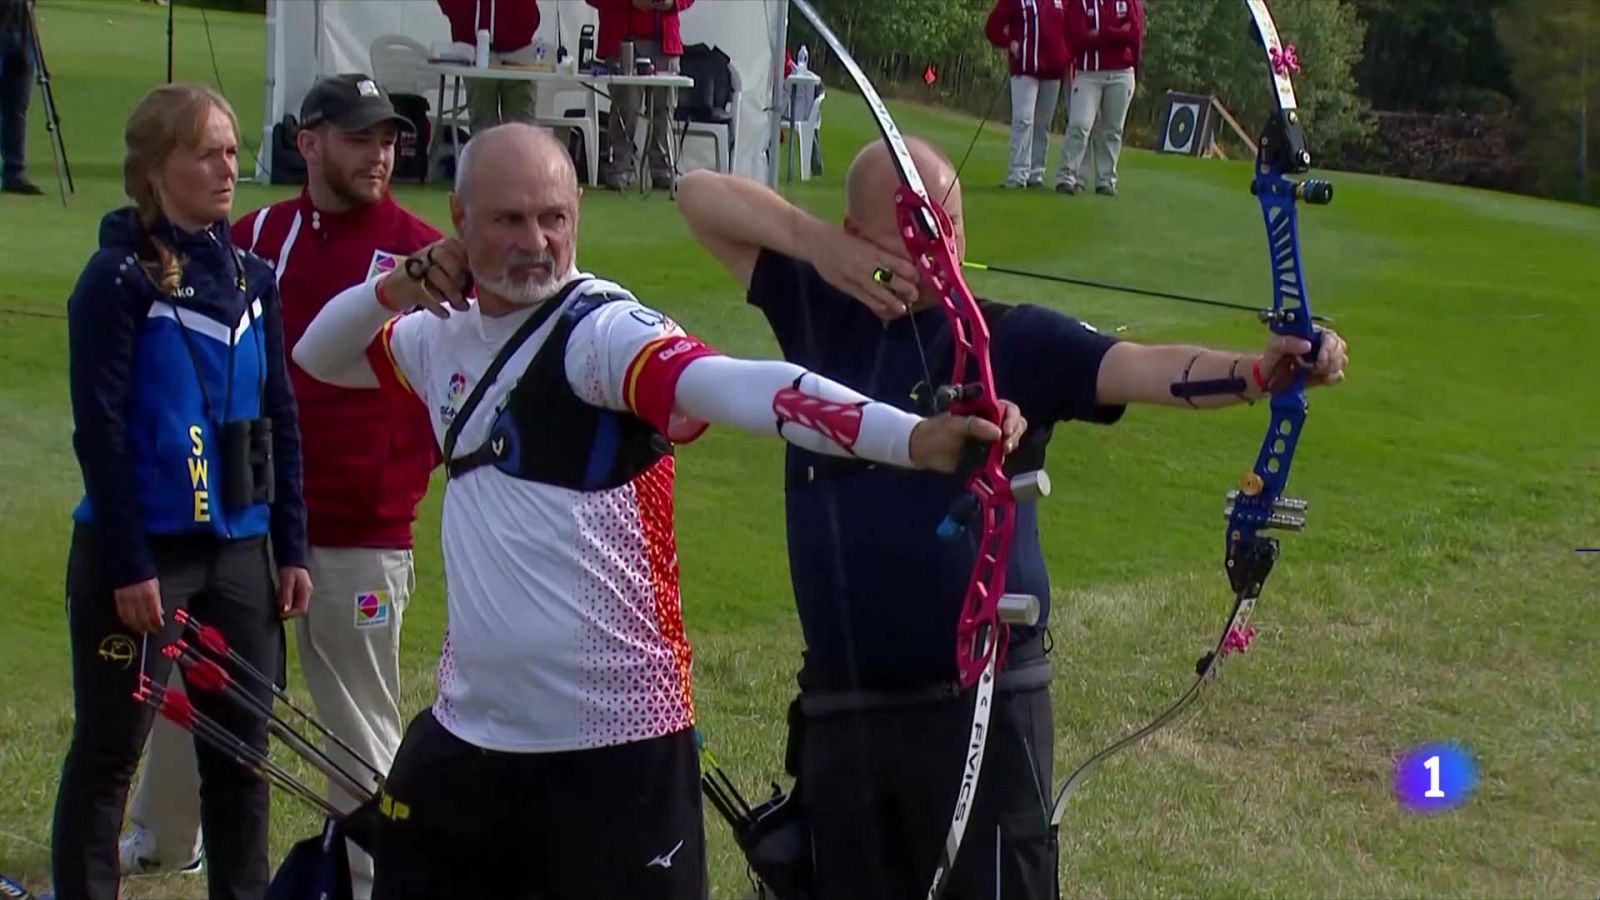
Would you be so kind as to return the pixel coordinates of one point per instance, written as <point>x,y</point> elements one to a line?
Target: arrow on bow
<point>1265,315</point>
<point>1258,504</point>
<point>990,500</point>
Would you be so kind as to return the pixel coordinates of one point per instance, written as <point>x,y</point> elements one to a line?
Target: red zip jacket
<point>1120,41</point>
<point>619,21</point>
<point>515,21</point>
<point>367,453</point>
<point>1040,30</point>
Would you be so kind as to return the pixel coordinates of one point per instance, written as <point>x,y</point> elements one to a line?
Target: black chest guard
<point>546,433</point>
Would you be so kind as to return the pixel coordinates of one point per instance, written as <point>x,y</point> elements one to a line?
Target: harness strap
<point>1029,673</point>
<point>507,350</point>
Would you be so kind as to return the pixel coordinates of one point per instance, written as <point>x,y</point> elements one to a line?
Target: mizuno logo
<point>665,859</point>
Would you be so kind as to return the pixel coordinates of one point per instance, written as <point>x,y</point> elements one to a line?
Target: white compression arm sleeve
<point>334,347</point>
<point>745,394</point>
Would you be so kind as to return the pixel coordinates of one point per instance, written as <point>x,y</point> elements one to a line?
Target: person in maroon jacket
<point>652,27</point>
<point>511,24</point>
<point>368,455</point>
<point>1033,35</point>
<point>1107,40</point>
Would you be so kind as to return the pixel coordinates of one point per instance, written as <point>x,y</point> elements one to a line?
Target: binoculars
<point>247,471</point>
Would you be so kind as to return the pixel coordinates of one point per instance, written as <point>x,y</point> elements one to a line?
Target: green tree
<point>1433,56</point>
<point>1209,46</point>
<point>1555,61</point>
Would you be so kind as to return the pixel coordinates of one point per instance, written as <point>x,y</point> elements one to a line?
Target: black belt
<point>1027,670</point>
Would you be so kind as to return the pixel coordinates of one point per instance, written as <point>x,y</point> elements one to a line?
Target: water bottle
<point>801,57</point>
<point>482,60</point>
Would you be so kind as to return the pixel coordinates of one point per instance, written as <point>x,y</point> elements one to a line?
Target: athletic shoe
<point>138,855</point>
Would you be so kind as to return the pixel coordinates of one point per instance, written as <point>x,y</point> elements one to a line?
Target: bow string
<point>1258,504</point>
<point>987,508</point>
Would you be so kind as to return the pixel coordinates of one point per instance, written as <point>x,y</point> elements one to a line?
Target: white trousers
<point>349,648</point>
<point>1033,108</point>
<point>1097,108</point>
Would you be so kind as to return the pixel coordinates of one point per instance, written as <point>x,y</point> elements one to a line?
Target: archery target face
<point>1182,123</point>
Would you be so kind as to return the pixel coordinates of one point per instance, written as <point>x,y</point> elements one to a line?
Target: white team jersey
<point>564,628</point>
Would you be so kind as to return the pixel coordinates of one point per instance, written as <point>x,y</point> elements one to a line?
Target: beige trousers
<point>1097,108</point>
<point>349,648</point>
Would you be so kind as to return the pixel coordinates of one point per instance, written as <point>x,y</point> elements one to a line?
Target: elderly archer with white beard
<point>565,673</point>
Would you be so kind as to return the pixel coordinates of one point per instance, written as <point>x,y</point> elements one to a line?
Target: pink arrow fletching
<point>206,675</point>
<point>211,639</point>
<point>176,707</point>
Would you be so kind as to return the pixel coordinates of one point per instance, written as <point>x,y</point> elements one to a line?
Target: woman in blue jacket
<point>185,432</point>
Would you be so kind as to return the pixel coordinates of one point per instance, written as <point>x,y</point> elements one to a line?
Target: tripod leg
<point>52,121</point>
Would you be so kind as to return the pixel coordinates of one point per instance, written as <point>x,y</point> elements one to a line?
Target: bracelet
<point>1233,375</point>
<point>1186,396</point>
<point>1255,373</point>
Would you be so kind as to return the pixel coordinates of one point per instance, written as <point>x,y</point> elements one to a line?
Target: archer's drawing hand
<point>851,264</point>
<point>442,287</point>
<point>937,443</point>
<point>1284,352</point>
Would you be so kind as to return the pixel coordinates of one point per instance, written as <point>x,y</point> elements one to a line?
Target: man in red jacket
<point>652,27</point>
<point>1107,40</point>
<point>511,24</point>
<point>367,456</point>
<point>1033,34</point>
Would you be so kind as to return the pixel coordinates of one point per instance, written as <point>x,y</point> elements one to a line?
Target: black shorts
<point>460,821</point>
<point>878,788</point>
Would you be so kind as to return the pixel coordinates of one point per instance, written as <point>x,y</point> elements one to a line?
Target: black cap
<point>352,102</point>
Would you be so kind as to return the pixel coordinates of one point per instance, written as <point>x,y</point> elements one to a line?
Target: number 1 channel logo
<point>1434,777</point>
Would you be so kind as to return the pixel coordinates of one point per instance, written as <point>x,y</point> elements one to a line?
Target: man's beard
<point>347,187</point>
<point>529,291</point>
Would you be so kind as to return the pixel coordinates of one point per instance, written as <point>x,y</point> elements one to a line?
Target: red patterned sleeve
<point>651,384</point>
<point>381,356</point>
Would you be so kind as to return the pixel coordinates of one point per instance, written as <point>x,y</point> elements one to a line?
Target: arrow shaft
<point>1119,288</point>
<point>277,727</point>
<point>278,693</point>
<point>209,730</point>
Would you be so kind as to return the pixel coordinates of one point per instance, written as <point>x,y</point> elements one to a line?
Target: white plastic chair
<point>549,108</point>
<point>395,62</point>
<point>720,133</point>
<point>803,128</point>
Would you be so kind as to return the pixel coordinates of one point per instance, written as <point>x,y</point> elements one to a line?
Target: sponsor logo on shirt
<point>681,346</point>
<point>651,319</point>
<point>452,400</point>
<point>372,609</point>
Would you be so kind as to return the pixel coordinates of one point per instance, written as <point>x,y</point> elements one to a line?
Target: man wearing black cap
<point>367,458</point>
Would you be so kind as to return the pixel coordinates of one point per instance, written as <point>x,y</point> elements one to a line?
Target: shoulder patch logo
<point>382,262</point>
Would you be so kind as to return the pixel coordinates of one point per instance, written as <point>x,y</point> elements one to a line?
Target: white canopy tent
<point>309,39</point>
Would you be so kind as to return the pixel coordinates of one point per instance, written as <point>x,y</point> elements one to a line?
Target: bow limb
<point>1258,504</point>
<point>990,501</point>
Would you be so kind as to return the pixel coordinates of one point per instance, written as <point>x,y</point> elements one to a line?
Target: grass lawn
<point>1435,595</point>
